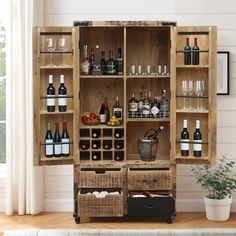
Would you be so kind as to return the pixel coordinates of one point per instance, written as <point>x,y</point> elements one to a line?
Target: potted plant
<point>220,183</point>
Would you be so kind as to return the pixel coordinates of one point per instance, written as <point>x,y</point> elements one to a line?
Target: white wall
<point>58,181</point>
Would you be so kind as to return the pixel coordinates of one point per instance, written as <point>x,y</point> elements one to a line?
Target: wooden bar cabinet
<point>143,43</point>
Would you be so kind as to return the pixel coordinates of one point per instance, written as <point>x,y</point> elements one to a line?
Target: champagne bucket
<point>147,149</point>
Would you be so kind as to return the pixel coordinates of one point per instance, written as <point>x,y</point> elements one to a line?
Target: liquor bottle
<point>62,92</point>
<point>195,53</point>
<point>96,133</point>
<point>119,156</point>
<point>65,148</point>
<point>49,139</point>
<point>187,55</point>
<point>197,138</point>
<point>57,141</point>
<point>185,138</point>
<point>117,110</point>
<point>133,106</point>
<point>118,133</point>
<point>84,144</point>
<point>107,144</point>
<point>155,110</point>
<point>104,112</point>
<point>146,104</point>
<point>96,156</point>
<point>152,134</point>
<point>50,95</point>
<point>164,104</point>
<point>97,59</point>
<point>140,103</point>
<point>85,62</point>
<point>91,61</point>
<point>96,144</point>
<point>111,65</point>
<point>119,63</point>
<point>103,63</point>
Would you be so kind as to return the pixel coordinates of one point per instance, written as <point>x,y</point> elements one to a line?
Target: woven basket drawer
<point>111,205</point>
<point>149,180</point>
<point>109,179</point>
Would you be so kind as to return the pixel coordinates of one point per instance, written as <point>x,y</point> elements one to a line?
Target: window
<point>2,92</point>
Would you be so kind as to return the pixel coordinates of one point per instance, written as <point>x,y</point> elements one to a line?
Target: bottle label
<point>51,101</point>
<point>49,148</point>
<point>185,146</point>
<point>146,109</point>
<point>65,148</point>
<point>155,110</point>
<point>61,101</point>
<point>102,118</point>
<point>85,68</point>
<point>117,112</point>
<point>57,149</point>
<point>111,69</point>
<point>140,105</point>
<point>196,146</point>
<point>133,106</point>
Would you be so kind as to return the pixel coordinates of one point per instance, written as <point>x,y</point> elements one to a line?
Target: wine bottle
<point>107,144</point>
<point>85,65</point>
<point>133,106</point>
<point>187,55</point>
<point>184,139</point>
<point>96,144</point>
<point>154,133</point>
<point>65,148</point>
<point>119,63</point>
<point>50,95</point>
<point>117,110</point>
<point>195,53</point>
<point>119,156</point>
<point>57,141</point>
<point>104,112</point>
<point>103,63</point>
<point>111,65</point>
<point>119,144</point>
<point>49,139</point>
<point>62,92</point>
<point>91,61</point>
<point>96,156</point>
<point>96,133</point>
<point>84,144</point>
<point>197,138</point>
<point>118,133</point>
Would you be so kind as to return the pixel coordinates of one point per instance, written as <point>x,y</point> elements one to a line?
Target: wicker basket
<point>147,149</point>
<point>111,205</point>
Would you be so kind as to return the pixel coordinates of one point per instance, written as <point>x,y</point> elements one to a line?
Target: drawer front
<point>111,205</point>
<point>149,180</point>
<point>151,207</point>
<point>108,179</point>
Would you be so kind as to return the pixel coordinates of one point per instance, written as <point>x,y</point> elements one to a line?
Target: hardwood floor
<point>66,220</point>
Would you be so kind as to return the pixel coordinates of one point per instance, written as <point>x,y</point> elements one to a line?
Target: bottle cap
<point>197,124</point>
<point>185,124</point>
<point>62,79</point>
<point>50,78</point>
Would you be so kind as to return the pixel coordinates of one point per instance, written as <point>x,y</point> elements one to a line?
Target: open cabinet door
<point>194,51</point>
<point>55,62</point>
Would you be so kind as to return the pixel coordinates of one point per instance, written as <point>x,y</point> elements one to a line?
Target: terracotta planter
<point>218,209</point>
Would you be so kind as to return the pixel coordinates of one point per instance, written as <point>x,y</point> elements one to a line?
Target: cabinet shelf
<point>148,76</point>
<point>44,158</point>
<point>192,66</point>
<point>182,51</point>
<point>101,76</point>
<point>56,112</point>
<point>100,126</point>
<point>191,159</point>
<point>148,119</point>
<point>56,96</point>
<point>56,52</point>
<point>56,67</point>
<point>187,96</point>
<point>192,111</point>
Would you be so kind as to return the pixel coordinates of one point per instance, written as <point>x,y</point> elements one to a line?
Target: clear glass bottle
<point>146,103</point>
<point>133,106</point>
<point>140,103</point>
<point>85,65</point>
<point>91,61</point>
<point>164,104</point>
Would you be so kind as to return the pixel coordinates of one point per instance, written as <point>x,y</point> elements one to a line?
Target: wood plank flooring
<point>66,220</point>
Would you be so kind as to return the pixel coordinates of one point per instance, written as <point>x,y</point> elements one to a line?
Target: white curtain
<point>24,182</point>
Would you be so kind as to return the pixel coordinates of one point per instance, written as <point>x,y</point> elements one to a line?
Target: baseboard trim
<point>2,205</point>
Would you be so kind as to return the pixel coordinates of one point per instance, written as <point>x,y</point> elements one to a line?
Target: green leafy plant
<point>218,180</point>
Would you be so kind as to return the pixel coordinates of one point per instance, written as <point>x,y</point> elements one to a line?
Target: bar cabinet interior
<point>142,43</point>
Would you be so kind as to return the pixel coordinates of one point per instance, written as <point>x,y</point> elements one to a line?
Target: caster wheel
<point>169,220</point>
<point>77,219</point>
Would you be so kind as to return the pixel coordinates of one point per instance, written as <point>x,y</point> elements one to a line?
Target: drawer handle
<point>150,206</point>
<point>150,180</point>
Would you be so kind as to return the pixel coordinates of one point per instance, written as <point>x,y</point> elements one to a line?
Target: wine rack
<point>106,158</point>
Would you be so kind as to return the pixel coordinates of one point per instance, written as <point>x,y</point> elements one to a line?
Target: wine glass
<point>190,92</point>
<point>198,91</point>
<point>202,92</point>
<point>184,90</point>
<point>51,46</point>
<point>63,45</point>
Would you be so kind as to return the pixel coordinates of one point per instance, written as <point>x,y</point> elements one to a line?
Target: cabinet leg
<point>77,219</point>
<point>170,219</point>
